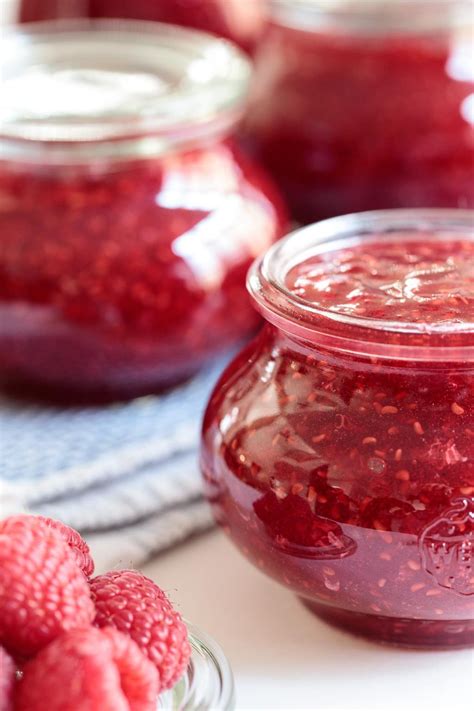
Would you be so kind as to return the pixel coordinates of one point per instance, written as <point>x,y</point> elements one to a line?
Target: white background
<point>283,657</point>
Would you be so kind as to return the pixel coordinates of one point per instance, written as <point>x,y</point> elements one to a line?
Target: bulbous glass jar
<point>128,217</point>
<point>362,105</point>
<point>241,22</point>
<point>338,448</point>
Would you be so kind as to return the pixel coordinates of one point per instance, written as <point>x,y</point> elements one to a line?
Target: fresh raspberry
<point>133,604</point>
<point>7,680</point>
<point>75,542</point>
<point>89,670</point>
<point>43,592</point>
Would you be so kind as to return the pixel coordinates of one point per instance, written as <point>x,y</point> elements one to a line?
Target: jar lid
<point>108,80</point>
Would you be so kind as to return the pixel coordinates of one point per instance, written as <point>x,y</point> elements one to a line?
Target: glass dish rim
<point>223,94</point>
<point>290,313</point>
<point>205,645</point>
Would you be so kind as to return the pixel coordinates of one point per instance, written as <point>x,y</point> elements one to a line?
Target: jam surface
<point>411,281</point>
<point>119,279</point>
<point>349,478</point>
<point>349,122</point>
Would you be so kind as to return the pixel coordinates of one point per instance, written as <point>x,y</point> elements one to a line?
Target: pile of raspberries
<point>73,642</point>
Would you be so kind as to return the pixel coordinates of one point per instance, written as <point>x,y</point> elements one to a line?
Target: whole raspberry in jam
<point>7,680</point>
<point>43,592</point>
<point>89,670</point>
<point>133,604</point>
<point>75,541</point>
<point>293,525</point>
<point>346,476</point>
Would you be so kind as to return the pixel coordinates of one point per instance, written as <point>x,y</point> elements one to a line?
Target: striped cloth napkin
<point>125,474</point>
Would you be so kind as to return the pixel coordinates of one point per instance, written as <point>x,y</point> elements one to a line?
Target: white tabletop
<point>284,658</point>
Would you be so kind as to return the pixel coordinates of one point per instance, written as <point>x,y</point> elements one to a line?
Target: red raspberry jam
<point>338,447</point>
<point>123,259</point>
<point>366,106</point>
<point>237,20</point>
<point>406,281</point>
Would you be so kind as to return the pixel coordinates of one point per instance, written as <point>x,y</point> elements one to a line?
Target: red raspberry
<point>7,679</point>
<point>43,592</point>
<point>75,542</point>
<point>89,670</point>
<point>135,605</point>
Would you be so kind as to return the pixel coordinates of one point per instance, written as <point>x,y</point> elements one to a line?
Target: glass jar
<point>207,684</point>
<point>362,105</point>
<point>38,10</point>
<point>128,218</point>
<point>338,448</point>
<point>241,22</point>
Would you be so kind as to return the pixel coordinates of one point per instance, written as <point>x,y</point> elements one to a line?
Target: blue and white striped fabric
<point>130,466</point>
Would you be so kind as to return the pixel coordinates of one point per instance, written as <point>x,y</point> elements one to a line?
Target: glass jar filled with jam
<point>366,104</point>
<point>128,218</point>
<point>338,448</point>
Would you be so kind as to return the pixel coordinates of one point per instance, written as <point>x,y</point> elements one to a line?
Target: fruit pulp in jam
<point>349,122</point>
<point>350,478</point>
<point>121,281</point>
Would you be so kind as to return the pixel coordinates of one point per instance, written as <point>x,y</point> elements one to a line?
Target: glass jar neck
<point>318,347</point>
<point>356,335</point>
<point>373,17</point>
<point>116,152</point>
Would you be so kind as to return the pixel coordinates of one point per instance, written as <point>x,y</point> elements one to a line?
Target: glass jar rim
<point>176,86</point>
<point>208,681</point>
<point>373,17</point>
<point>356,334</point>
